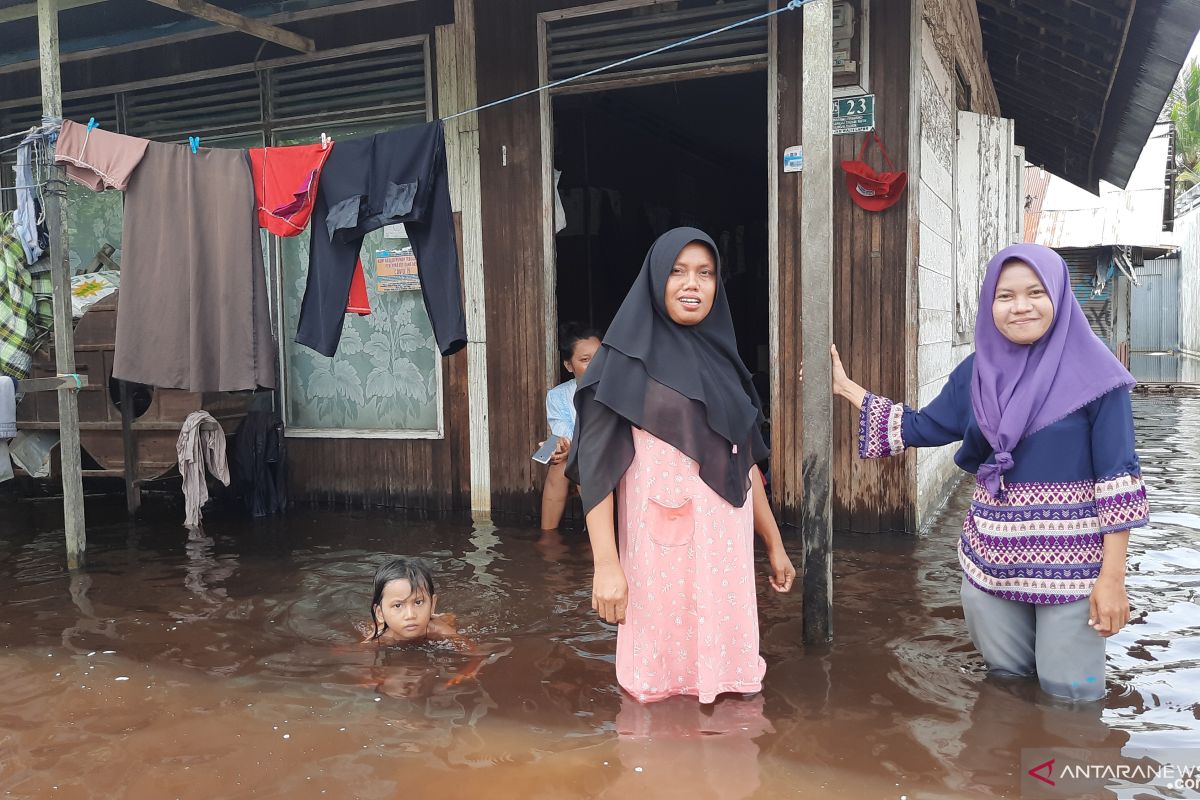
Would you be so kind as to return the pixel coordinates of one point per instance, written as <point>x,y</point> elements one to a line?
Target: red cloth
<point>358,302</point>
<point>285,188</point>
<point>285,185</point>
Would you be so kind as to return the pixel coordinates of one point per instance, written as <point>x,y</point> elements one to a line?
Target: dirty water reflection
<point>223,665</point>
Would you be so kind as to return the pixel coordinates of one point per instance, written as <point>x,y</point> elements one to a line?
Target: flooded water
<point>224,665</point>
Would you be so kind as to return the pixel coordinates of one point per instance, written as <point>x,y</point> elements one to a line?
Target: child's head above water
<point>403,601</point>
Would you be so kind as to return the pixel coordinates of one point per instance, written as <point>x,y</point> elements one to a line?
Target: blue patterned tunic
<point>1042,539</point>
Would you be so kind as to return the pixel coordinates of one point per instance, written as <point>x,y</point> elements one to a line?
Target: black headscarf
<point>685,385</point>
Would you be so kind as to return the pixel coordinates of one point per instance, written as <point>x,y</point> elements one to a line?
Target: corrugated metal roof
<point>1068,216</point>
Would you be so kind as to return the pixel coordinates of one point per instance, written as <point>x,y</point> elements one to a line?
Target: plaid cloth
<point>26,311</point>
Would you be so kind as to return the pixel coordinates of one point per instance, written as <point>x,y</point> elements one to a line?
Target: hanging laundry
<point>194,312</point>
<point>560,213</point>
<point>19,332</point>
<point>285,185</point>
<point>285,189</point>
<point>8,424</point>
<point>96,158</point>
<point>260,463</point>
<point>8,407</point>
<point>201,443</point>
<point>359,303</point>
<point>29,209</point>
<point>394,177</point>
<point>33,451</point>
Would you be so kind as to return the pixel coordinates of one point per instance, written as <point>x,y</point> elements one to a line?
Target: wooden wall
<point>871,275</point>
<point>507,59</point>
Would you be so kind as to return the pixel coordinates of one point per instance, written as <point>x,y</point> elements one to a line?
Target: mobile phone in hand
<point>546,451</point>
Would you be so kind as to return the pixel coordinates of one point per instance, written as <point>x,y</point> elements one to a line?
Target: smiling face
<point>405,612</point>
<point>1022,308</point>
<point>691,285</point>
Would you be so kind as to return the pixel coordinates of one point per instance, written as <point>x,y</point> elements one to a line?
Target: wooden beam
<point>238,22</point>
<point>350,7</point>
<point>1031,36</point>
<point>30,10</point>
<point>1062,20</point>
<point>60,270</point>
<point>816,289</point>
<point>52,384</point>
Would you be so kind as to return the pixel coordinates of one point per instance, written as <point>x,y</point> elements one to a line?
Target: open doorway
<point>636,162</point>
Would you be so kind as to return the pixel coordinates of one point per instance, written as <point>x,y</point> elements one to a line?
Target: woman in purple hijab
<point>1042,411</point>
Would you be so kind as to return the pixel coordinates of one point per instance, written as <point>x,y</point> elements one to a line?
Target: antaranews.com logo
<point>1057,773</point>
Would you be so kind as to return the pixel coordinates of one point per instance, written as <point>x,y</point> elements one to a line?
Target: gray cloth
<point>193,300</point>
<point>32,451</point>
<point>6,467</point>
<point>201,443</point>
<point>25,216</point>
<point>8,407</point>
<point>1053,642</point>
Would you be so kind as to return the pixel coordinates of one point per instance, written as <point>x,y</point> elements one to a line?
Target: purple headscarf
<point>1018,389</point>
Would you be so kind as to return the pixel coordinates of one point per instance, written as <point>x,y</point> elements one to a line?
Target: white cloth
<point>201,443</point>
<point>560,213</point>
<point>8,407</point>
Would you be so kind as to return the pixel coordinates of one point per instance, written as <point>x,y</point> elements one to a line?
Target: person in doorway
<point>1042,410</point>
<point>667,412</point>
<point>577,344</point>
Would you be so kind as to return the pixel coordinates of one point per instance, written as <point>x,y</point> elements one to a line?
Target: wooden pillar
<point>816,288</point>
<point>60,270</point>
<point>456,86</point>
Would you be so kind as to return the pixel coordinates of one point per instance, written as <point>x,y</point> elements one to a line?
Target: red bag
<point>873,190</point>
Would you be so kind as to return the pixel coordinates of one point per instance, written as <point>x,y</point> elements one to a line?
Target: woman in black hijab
<point>668,412</point>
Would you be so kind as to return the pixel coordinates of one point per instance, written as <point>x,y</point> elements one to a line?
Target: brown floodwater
<point>223,664</point>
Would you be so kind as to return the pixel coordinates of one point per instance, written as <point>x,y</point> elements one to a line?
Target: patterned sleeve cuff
<point>879,433</point>
<point>1121,503</point>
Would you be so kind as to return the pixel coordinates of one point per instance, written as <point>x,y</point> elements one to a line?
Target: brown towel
<point>193,301</point>
<point>98,159</point>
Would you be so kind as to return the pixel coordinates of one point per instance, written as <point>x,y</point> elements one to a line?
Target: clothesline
<point>792,5</point>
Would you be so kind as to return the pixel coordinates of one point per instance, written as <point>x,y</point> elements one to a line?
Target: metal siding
<point>1098,308</point>
<point>1156,306</point>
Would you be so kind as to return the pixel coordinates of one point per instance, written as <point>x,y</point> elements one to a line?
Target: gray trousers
<point>1052,642</point>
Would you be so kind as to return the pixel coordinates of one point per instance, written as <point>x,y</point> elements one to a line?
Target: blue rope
<point>792,5</point>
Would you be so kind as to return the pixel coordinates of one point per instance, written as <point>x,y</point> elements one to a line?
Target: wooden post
<point>60,270</point>
<point>133,487</point>
<point>816,288</point>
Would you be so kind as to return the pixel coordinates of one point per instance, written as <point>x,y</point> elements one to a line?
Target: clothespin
<point>325,141</point>
<point>194,141</point>
<point>92,124</point>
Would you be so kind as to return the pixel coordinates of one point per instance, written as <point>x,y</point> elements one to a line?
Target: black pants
<point>367,183</point>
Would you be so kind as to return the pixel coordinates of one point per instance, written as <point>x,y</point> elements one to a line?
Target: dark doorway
<point>636,162</point>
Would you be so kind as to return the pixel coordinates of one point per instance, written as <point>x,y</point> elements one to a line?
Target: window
<point>385,379</point>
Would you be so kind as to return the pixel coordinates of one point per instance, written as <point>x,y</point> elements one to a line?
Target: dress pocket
<point>670,525</point>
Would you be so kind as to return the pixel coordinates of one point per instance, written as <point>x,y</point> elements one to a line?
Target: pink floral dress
<point>692,622</point>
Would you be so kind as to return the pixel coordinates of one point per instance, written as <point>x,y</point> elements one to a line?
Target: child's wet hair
<point>416,571</point>
<point>571,334</point>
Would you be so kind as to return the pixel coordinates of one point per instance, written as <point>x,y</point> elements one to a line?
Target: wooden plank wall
<point>513,252</point>
<point>870,277</point>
